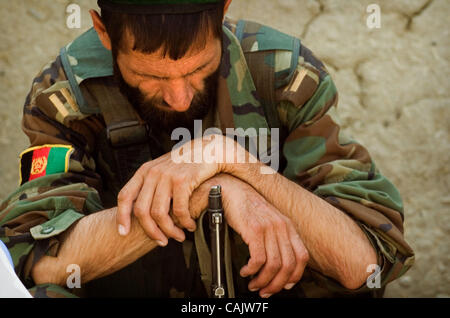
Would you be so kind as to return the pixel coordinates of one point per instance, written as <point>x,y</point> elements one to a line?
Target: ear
<point>100,29</point>
<point>225,8</point>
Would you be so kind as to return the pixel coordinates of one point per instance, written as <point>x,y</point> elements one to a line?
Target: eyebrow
<point>166,78</point>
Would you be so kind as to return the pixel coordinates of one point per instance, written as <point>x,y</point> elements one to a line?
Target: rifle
<point>216,226</point>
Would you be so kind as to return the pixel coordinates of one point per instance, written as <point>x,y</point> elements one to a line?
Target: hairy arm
<point>95,246</point>
<point>337,246</point>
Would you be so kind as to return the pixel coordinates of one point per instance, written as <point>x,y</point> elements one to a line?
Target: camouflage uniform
<point>316,154</point>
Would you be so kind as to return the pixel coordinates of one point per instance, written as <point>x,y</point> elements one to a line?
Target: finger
<point>273,262</point>
<point>152,230</point>
<point>301,255</point>
<point>288,262</point>
<point>257,255</point>
<point>180,206</point>
<point>160,210</point>
<point>142,211</point>
<point>125,199</point>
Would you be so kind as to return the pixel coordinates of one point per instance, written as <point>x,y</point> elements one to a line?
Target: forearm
<point>337,246</point>
<point>95,246</point>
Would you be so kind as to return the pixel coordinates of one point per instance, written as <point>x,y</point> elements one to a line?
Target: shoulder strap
<point>126,133</point>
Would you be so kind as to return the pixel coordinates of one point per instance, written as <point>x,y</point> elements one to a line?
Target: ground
<point>393,85</point>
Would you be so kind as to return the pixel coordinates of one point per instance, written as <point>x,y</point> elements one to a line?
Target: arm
<point>345,209</point>
<point>59,198</point>
<point>336,244</point>
<point>94,244</point>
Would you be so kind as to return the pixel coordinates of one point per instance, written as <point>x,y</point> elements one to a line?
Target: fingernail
<point>266,295</point>
<point>289,286</point>
<point>191,229</point>
<point>179,239</point>
<point>252,289</point>
<point>122,230</point>
<point>161,243</point>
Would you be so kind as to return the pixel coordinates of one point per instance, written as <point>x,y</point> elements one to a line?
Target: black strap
<point>126,132</point>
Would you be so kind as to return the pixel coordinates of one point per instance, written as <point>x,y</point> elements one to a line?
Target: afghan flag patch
<point>43,160</point>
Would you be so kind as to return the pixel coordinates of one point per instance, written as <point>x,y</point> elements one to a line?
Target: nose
<point>178,93</point>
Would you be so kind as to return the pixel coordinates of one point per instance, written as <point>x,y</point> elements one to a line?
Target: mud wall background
<point>394,97</point>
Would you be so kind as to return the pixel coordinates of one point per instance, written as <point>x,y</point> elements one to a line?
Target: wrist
<point>199,199</point>
<point>237,161</point>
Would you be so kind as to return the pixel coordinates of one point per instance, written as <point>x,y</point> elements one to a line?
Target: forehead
<point>159,64</point>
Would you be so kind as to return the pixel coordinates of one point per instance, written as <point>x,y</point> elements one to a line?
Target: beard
<point>167,120</point>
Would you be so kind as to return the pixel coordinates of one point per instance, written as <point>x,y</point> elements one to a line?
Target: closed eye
<point>158,78</point>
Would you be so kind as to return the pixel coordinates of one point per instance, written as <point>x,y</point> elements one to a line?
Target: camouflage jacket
<point>317,154</point>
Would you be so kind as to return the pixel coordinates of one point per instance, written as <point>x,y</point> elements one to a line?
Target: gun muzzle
<point>216,226</point>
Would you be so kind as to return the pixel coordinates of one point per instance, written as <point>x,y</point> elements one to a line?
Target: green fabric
<point>55,225</point>
<point>50,291</point>
<point>379,190</point>
<point>303,153</point>
<point>56,160</point>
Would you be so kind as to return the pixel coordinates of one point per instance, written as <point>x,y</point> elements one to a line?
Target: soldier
<point>99,187</point>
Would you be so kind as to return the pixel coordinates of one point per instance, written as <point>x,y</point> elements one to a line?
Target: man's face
<point>169,93</point>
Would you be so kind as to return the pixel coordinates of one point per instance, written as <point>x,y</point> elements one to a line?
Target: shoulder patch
<point>58,102</point>
<point>43,160</point>
<point>302,85</point>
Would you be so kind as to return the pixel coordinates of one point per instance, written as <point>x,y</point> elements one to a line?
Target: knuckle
<point>279,223</point>
<point>266,224</point>
<point>180,213</point>
<point>259,260</point>
<point>166,174</point>
<point>153,171</point>
<point>257,227</point>
<point>157,214</point>
<point>179,179</point>
<point>273,265</point>
<point>141,170</point>
<point>123,195</point>
<point>139,211</point>
<point>304,256</point>
<point>289,266</point>
<point>145,165</point>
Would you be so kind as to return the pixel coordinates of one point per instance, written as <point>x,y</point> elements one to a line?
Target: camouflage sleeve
<point>322,159</point>
<point>58,180</point>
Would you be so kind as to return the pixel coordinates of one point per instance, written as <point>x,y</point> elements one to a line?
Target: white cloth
<point>11,286</point>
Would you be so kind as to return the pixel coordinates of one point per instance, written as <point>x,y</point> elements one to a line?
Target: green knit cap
<point>158,6</point>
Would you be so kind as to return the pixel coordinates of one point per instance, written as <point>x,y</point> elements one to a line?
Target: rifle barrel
<point>216,221</point>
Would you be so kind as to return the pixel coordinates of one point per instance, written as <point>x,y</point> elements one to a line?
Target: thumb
<point>123,220</point>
